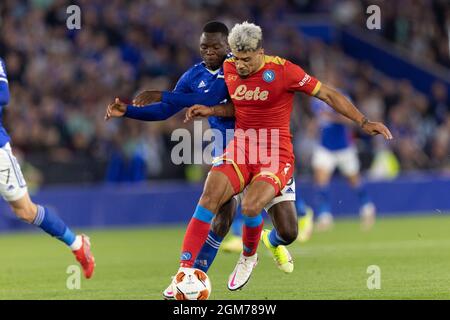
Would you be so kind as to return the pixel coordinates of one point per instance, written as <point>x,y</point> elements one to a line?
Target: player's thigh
<point>348,162</point>
<point>284,218</point>
<point>12,183</point>
<point>257,195</point>
<point>224,218</point>
<point>218,189</point>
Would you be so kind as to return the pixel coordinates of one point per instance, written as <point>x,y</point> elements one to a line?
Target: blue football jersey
<point>4,98</point>
<point>333,135</point>
<point>199,79</point>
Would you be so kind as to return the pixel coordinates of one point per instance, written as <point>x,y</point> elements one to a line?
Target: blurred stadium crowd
<point>61,80</point>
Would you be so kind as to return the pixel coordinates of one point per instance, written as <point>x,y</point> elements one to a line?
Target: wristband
<point>364,121</point>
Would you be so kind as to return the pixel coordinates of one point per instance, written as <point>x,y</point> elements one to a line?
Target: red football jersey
<point>264,99</point>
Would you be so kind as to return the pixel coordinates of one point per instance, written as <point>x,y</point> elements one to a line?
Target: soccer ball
<point>191,284</point>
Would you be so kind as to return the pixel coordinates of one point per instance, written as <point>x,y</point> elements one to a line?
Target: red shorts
<point>242,166</point>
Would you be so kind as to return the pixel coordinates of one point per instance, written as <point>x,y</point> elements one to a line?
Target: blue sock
<point>53,225</point>
<point>363,196</point>
<point>300,205</point>
<point>208,252</point>
<point>253,222</point>
<point>324,200</point>
<point>275,240</point>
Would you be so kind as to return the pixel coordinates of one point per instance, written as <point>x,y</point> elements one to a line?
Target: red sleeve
<point>227,66</point>
<point>296,79</point>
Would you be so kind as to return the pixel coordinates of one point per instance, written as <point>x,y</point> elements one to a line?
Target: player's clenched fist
<point>115,109</point>
<point>198,111</point>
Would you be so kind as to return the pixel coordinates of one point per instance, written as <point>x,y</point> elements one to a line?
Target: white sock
<point>77,243</point>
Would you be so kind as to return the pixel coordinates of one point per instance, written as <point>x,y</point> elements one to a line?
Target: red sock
<point>195,237</point>
<point>250,238</point>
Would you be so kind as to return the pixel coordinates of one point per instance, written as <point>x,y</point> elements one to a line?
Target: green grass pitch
<point>413,254</point>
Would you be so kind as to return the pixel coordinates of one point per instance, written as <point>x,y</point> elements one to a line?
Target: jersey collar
<point>209,70</point>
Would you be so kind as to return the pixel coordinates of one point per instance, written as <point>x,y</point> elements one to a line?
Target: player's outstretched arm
<point>342,105</point>
<point>212,97</point>
<point>147,97</point>
<point>201,111</point>
<point>153,112</point>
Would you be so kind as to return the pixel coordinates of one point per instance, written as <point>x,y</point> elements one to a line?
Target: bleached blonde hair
<point>245,37</point>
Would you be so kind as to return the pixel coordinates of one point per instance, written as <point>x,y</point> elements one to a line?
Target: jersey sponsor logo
<point>269,76</point>
<point>202,84</point>
<point>306,79</point>
<point>186,256</point>
<point>242,93</point>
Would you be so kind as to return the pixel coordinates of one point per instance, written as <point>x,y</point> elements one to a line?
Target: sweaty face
<point>213,49</point>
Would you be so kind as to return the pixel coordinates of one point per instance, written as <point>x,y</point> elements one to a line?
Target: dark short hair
<point>216,27</point>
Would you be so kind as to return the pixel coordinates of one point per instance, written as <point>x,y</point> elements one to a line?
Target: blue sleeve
<point>215,95</point>
<point>4,89</point>
<point>160,111</point>
<point>153,112</point>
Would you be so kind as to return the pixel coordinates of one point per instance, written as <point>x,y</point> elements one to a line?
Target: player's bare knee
<point>251,208</point>
<point>210,201</point>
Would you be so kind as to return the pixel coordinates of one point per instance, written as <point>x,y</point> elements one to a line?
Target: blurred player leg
<point>323,163</point>
<point>367,211</point>
<point>325,218</point>
<point>348,163</point>
<point>305,216</point>
<point>13,188</point>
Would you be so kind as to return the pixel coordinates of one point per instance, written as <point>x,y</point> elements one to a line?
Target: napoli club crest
<point>269,75</point>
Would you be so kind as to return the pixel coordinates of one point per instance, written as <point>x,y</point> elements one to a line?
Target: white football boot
<point>168,294</point>
<point>242,272</point>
